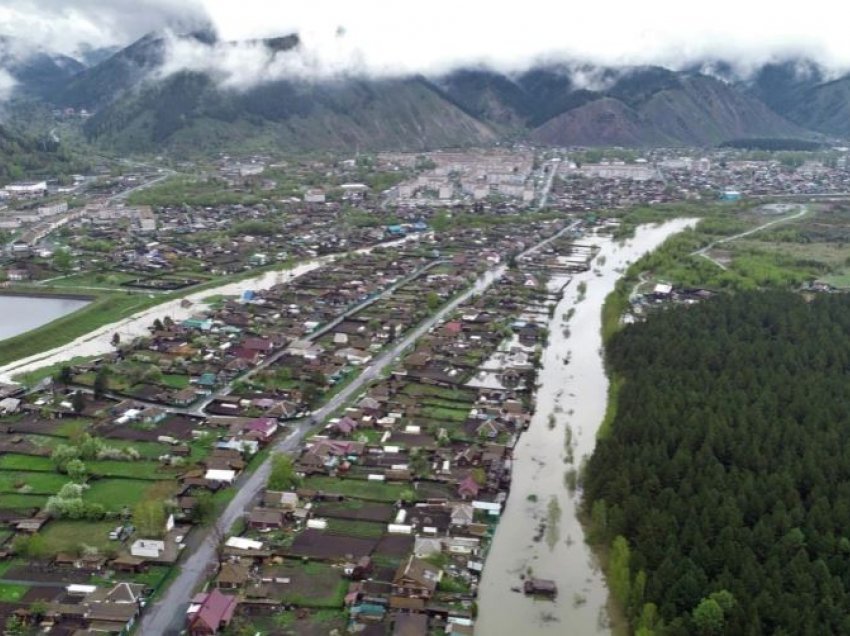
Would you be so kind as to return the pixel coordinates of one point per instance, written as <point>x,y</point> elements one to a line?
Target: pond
<point>19,314</point>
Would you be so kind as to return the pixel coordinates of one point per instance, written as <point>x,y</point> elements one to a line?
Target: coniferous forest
<point>723,487</point>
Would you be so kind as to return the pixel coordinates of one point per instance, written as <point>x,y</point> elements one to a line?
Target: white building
<point>147,548</point>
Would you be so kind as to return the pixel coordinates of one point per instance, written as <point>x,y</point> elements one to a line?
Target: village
<point>113,466</point>
<point>353,423</point>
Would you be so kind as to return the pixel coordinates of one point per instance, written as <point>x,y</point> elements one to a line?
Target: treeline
<point>772,144</point>
<point>722,489</point>
<point>24,157</point>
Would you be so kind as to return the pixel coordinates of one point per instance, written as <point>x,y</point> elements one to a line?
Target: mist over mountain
<point>199,91</point>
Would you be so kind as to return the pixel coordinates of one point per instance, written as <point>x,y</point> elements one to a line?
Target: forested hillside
<point>723,485</point>
<point>22,157</point>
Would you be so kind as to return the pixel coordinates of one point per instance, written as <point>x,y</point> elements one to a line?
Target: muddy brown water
<point>575,395</point>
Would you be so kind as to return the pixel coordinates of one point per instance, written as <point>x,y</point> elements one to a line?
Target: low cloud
<point>7,85</point>
<point>246,63</point>
<point>379,38</point>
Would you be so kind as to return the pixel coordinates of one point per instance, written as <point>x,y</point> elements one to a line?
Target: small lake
<point>19,314</point>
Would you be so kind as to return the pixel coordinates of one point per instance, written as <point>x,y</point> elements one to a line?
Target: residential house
<point>416,578</point>
<point>210,612</point>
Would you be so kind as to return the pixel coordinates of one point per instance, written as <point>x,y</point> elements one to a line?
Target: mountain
<point>36,72</point>
<point>800,90</point>
<point>631,106</point>
<point>188,112</point>
<point>136,108</point>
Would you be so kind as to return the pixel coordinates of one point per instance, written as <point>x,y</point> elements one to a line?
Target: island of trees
<point>721,490</point>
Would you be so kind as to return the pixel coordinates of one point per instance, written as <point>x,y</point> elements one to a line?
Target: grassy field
<point>14,501</point>
<point>138,469</point>
<point>35,483</point>
<point>315,585</point>
<point>840,279</point>
<point>104,280</point>
<point>12,592</point>
<point>373,490</point>
<point>26,463</point>
<point>114,494</point>
<point>68,536</point>
<point>175,381</point>
<point>141,469</point>
<point>361,529</point>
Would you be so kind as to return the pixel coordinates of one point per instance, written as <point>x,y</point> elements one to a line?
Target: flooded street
<point>539,532</point>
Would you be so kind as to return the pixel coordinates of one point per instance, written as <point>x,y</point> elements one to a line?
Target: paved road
<point>166,616</point>
<point>544,194</point>
<point>704,251</point>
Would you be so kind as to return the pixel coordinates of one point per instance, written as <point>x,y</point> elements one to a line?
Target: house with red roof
<point>452,328</point>
<point>262,429</point>
<point>210,612</point>
<point>468,488</point>
<point>346,425</point>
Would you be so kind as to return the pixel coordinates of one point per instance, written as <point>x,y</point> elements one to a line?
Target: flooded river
<point>571,398</point>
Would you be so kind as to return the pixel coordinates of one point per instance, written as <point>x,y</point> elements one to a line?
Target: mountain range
<point>138,108</point>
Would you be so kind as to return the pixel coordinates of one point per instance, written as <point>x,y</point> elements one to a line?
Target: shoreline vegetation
<point>683,535</point>
<point>757,265</point>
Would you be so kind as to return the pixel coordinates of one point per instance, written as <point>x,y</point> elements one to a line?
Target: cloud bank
<point>377,37</point>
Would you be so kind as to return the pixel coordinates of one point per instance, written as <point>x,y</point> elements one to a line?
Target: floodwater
<point>19,314</point>
<point>539,531</point>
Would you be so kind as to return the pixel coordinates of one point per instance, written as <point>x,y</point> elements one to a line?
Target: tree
<point>708,617</point>
<point>157,325</point>
<point>78,402</point>
<point>433,300</point>
<point>65,375</point>
<point>149,518</point>
<point>38,609</point>
<point>62,454</point>
<point>116,339</point>
<point>101,382</point>
<point>76,470</point>
<point>282,475</point>
<point>62,260</point>
<point>33,546</point>
<point>204,509</point>
<point>14,626</point>
<point>619,576</point>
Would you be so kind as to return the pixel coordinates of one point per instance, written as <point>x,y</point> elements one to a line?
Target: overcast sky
<point>384,36</point>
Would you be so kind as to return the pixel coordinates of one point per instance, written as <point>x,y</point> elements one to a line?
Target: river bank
<point>571,402</point>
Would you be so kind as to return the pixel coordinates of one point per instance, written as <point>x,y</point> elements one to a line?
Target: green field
<point>138,469</point>
<point>35,482</point>
<point>175,381</point>
<point>840,279</point>
<point>102,467</point>
<point>114,494</point>
<point>93,279</point>
<point>26,463</point>
<point>362,529</point>
<point>14,501</point>
<point>12,592</point>
<point>374,490</point>
<point>68,536</point>
<point>315,585</point>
